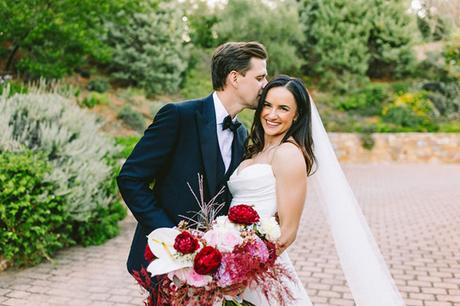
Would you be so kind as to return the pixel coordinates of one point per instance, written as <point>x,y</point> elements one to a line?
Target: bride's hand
<point>284,242</point>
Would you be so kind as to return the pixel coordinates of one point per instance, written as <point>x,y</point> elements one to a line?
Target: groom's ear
<point>232,78</point>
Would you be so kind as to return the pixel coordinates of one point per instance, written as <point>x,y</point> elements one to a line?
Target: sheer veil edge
<point>364,267</point>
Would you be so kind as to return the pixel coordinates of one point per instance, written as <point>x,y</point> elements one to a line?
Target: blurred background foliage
<point>340,48</point>
<point>105,68</point>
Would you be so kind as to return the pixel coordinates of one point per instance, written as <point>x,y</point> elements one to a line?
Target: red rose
<point>148,255</point>
<point>186,243</point>
<point>243,214</point>
<point>207,260</point>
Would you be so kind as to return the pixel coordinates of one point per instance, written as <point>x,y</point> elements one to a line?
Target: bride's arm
<point>291,187</point>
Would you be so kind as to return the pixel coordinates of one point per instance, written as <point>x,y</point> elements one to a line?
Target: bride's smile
<point>278,112</point>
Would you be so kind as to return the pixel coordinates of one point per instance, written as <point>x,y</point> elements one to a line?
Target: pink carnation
<point>223,239</point>
<point>189,276</point>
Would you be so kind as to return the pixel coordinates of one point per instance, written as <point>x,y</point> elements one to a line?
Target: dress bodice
<point>254,185</point>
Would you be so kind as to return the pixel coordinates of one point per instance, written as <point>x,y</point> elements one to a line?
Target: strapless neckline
<point>238,172</point>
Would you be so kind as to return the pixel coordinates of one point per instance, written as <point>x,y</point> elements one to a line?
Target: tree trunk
<point>11,57</point>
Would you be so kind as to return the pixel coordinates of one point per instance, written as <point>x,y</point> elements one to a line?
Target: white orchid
<point>161,243</point>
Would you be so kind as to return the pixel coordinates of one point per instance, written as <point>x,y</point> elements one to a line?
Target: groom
<point>198,136</point>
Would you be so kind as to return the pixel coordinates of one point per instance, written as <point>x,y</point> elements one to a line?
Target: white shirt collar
<point>220,110</point>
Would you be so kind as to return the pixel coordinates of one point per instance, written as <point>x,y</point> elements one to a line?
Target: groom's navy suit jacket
<point>180,144</point>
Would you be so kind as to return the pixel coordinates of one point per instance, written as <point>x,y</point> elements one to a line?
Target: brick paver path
<point>413,211</point>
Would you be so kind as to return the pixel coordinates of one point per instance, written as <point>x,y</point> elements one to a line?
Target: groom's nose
<point>264,82</point>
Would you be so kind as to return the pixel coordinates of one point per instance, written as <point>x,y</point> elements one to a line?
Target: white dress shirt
<point>225,138</point>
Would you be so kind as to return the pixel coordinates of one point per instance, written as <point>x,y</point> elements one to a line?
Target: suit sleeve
<point>144,165</point>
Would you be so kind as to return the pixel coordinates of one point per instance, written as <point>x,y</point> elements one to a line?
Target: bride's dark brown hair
<point>300,129</point>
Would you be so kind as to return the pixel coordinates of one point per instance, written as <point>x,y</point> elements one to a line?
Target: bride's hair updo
<point>300,129</point>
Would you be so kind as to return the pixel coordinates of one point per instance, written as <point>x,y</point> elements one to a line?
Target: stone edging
<point>398,147</point>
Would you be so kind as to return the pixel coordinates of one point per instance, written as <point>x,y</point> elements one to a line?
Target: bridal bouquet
<point>196,266</point>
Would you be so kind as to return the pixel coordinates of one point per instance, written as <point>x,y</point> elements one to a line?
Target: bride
<point>288,143</point>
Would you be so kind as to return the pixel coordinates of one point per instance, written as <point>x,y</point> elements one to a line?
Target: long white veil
<point>365,270</point>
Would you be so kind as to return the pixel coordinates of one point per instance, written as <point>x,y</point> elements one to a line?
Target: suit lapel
<point>206,122</point>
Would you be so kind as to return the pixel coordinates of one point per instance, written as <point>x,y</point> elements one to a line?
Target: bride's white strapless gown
<point>256,185</point>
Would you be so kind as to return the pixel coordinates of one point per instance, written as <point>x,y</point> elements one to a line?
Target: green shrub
<point>155,107</point>
<point>445,97</point>
<point>390,39</point>
<point>449,127</point>
<point>132,118</point>
<point>441,78</point>
<point>127,143</point>
<point>246,117</point>
<point>98,85</point>
<point>400,87</point>
<point>365,101</point>
<point>12,87</point>
<point>65,89</point>
<point>60,37</point>
<point>337,36</point>
<point>33,219</point>
<point>69,138</point>
<point>411,110</point>
<point>74,173</point>
<point>367,141</point>
<point>95,98</point>
<point>129,94</point>
<point>102,225</point>
<point>197,84</point>
<point>275,24</point>
<point>148,50</point>
<point>452,55</point>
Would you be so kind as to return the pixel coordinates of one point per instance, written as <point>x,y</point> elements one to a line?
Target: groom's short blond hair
<point>234,56</point>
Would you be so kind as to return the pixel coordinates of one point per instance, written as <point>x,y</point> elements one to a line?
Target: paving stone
<point>412,210</point>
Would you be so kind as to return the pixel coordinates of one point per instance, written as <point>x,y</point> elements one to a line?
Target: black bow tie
<point>229,124</point>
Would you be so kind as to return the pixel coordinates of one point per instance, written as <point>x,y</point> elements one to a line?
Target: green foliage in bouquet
<point>67,165</point>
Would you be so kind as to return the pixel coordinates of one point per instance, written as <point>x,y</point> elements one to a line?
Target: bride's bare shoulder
<point>288,156</point>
